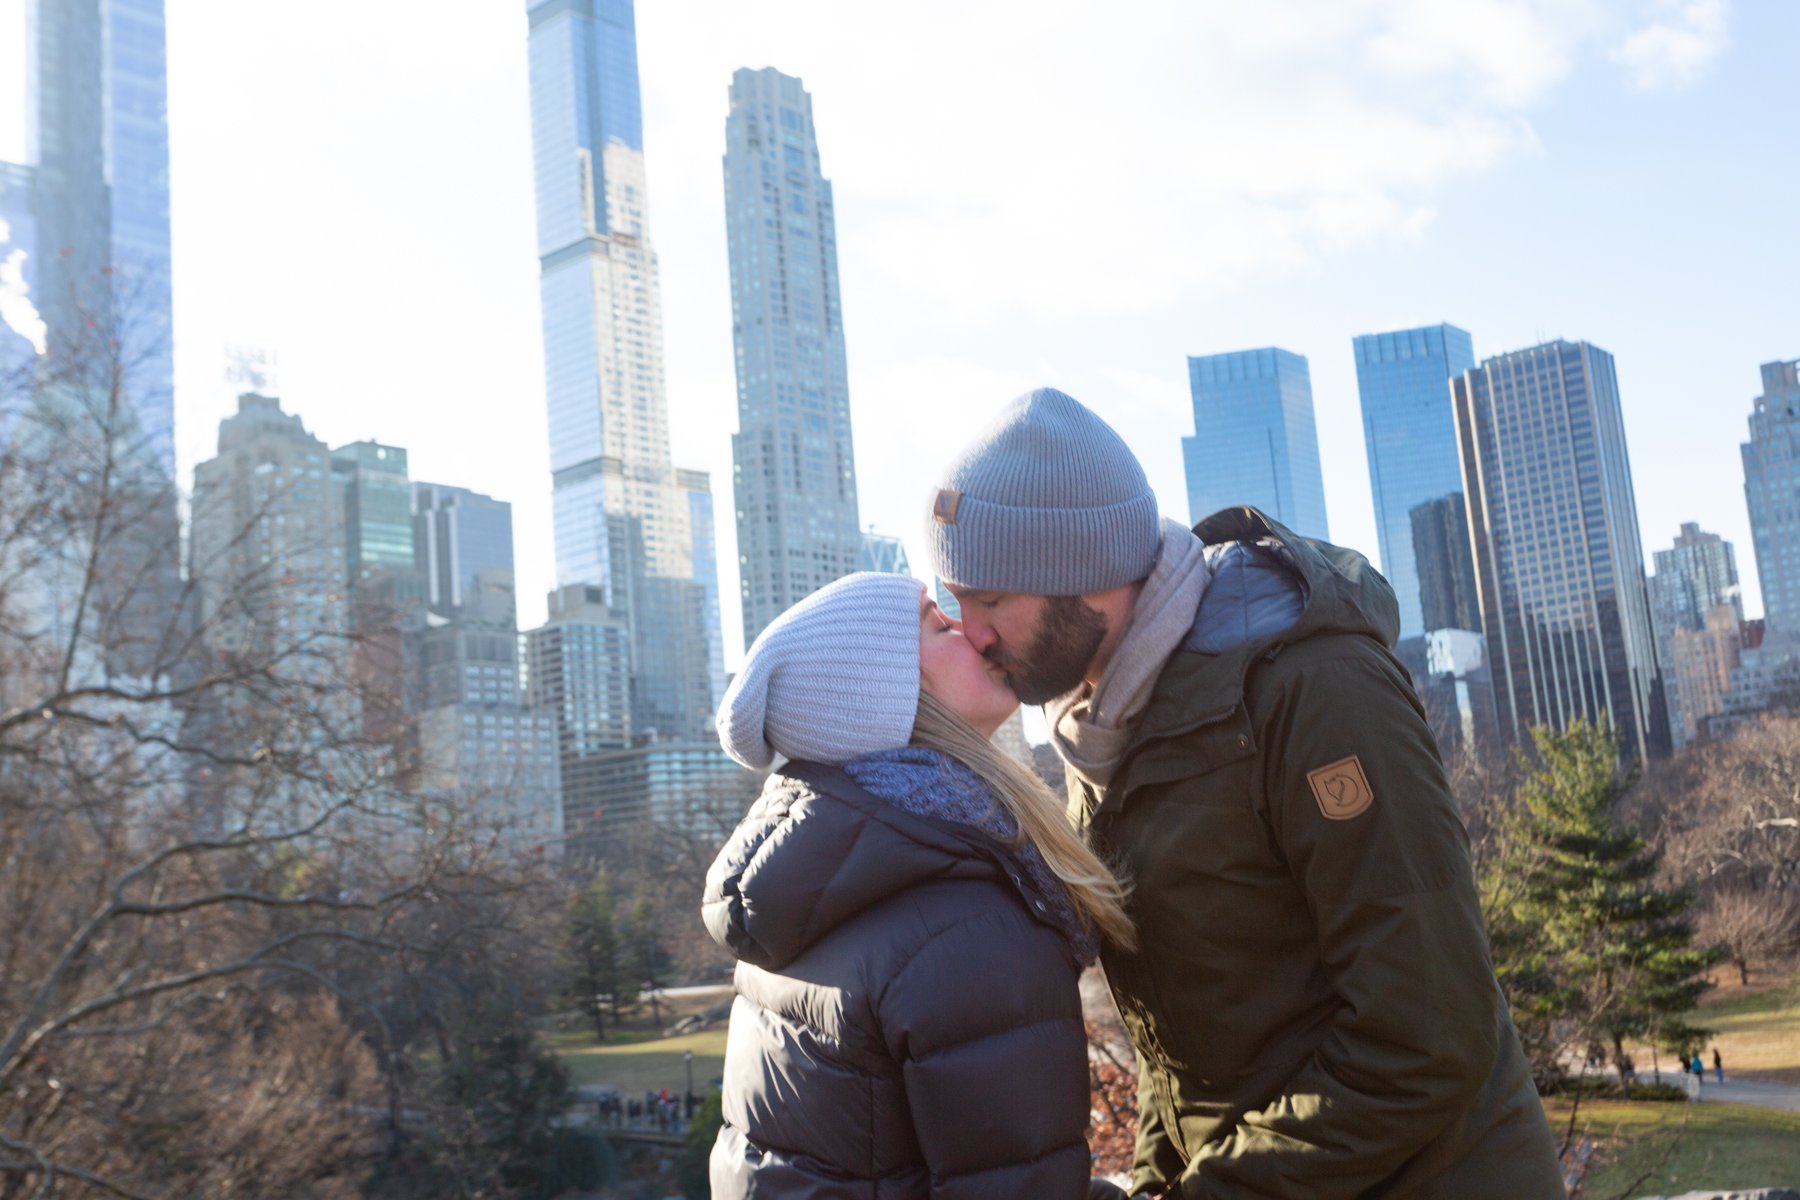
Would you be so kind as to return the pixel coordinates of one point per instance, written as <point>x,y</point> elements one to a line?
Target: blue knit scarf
<point>929,783</point>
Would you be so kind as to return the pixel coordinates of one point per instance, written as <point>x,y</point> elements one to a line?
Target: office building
<point>87,212</point>
<point>378,522</point>
<point>623,517</point>
<point>1254,440</point>
<point>266,547</point>
<point>1403,379</point>
<point>1554,532</point>
<point>793,469</point>
<point>458,534</point>
<point>479,745</point>
<point>1693,578</point>
<point>1702,662</point>
<point>885,553</point>
<point>1443,564</point>
<point>1772,488</point>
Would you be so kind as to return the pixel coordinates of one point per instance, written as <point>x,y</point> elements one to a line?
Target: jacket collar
<point>1344,593</point>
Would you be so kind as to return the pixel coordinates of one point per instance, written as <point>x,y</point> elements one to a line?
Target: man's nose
<point>980,634</point>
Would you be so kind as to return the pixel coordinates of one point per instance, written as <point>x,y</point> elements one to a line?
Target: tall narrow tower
<point>88,213</point>
<point>1559,565</point>
<point>1403,379</point>
<point>793,467</point>
<point>1772,490</point>
<point>623,522</point>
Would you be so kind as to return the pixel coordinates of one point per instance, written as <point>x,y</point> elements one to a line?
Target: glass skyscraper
<point>378,525</point>
<point>623,519</point>
<point>87,216</point>
<point>1254,439</point>
<point>1772,488</point>
<point>1559,566</point>
<point>458,534</point>
<point>1403,379</point>
<point>794,471</point>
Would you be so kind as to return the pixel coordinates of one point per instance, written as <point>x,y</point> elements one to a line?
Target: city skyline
<point>1545,129</point>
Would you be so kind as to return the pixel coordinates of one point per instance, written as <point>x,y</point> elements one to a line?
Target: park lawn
<point>1759,1031</point>
<point>1721,1146</point>
<point>644,1063</point>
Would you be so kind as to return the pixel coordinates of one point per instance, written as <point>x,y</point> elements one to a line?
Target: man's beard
<point>1068,635</point>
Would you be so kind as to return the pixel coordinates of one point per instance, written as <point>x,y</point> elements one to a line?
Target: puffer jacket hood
<point>813,853</point>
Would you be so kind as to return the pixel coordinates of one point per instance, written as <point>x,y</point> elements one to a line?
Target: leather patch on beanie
<point>1341,789</point>
<point>943,509</point>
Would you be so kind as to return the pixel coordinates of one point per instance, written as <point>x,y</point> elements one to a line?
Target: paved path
<point>1763,1095</point>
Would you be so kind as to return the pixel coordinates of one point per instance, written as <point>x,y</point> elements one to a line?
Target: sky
<point>1075,194</point>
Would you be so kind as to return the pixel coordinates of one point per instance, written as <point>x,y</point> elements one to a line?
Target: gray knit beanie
<point>835,676</point>
<point>1049,501</point>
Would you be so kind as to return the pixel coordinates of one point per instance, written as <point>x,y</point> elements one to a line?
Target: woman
<point>909,909</point>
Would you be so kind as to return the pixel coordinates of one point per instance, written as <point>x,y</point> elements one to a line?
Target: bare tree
<point>1761,927</point>
<point>227,923</point>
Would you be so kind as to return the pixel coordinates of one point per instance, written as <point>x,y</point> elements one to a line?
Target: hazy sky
<point>1077,194</point>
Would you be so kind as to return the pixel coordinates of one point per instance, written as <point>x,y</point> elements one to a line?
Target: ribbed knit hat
<point>835,676</point>
<point>1048,501</point>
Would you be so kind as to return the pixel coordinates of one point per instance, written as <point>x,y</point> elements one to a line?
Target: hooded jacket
<point>1312,1001</point>
<point>907,1021</point>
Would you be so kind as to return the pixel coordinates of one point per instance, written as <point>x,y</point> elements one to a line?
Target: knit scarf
<point>1092,725</point>
<point>929,783</point>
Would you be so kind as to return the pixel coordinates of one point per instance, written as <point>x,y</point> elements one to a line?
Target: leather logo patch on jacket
<point>943,509</point>
<point>1341,789</point>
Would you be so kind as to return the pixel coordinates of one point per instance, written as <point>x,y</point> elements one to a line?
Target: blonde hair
<point>1098,896</point>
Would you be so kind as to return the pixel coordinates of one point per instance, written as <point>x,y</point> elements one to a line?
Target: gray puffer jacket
<point>907,1021</point>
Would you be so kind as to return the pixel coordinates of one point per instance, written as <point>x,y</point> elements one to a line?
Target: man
<point>1313,1005</point>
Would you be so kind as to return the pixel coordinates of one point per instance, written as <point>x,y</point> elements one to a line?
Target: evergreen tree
<point>599,974</point>
<point>646,950</point>
<point>1587,946</point>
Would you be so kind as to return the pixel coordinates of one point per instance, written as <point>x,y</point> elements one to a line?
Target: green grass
<point>1759,1032</point>
<point>638,1060</point>
<point>1647,1149</point>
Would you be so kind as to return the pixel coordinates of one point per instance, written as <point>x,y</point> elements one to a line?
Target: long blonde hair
<point>1098,896</point>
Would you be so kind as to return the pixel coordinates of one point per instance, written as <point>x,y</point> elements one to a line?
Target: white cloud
<point>17,312</point>
<point>1679,45</point>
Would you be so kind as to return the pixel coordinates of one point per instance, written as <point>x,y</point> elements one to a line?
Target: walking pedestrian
<point>1718,1066</point>
<point>1699,1067</point>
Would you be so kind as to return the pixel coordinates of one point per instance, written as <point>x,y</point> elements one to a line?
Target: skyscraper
<point>1254,438</point>
<point>1772,488</point>
<point>267,544</point>
<point>1558,560</point>
<point>88,213</point>
<point>378,524</point>
<point>1697,575</point>
<point>1403,379</point>
<point>624,520</point>
<point>793,468</point>
<point>457,534</point>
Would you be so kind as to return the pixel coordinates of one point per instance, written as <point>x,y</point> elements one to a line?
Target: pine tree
<point>1588,947</point>
<point>598,970</point>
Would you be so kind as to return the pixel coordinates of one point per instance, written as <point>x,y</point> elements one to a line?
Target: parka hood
<point>814,851</point>
<point>1270,587</point>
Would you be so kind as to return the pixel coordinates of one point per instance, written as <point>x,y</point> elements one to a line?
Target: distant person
<point>1312,1001</point>
<point>1699,1067</point>
<point>910,911</point>
<point>1718,1065</point>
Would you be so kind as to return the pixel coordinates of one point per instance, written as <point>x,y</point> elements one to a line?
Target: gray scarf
<point>1091,726</point>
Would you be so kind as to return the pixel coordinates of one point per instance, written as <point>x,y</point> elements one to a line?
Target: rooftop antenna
<point>252,369</point>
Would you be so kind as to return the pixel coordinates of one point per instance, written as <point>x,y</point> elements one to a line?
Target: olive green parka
<point>1313,1003</point>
